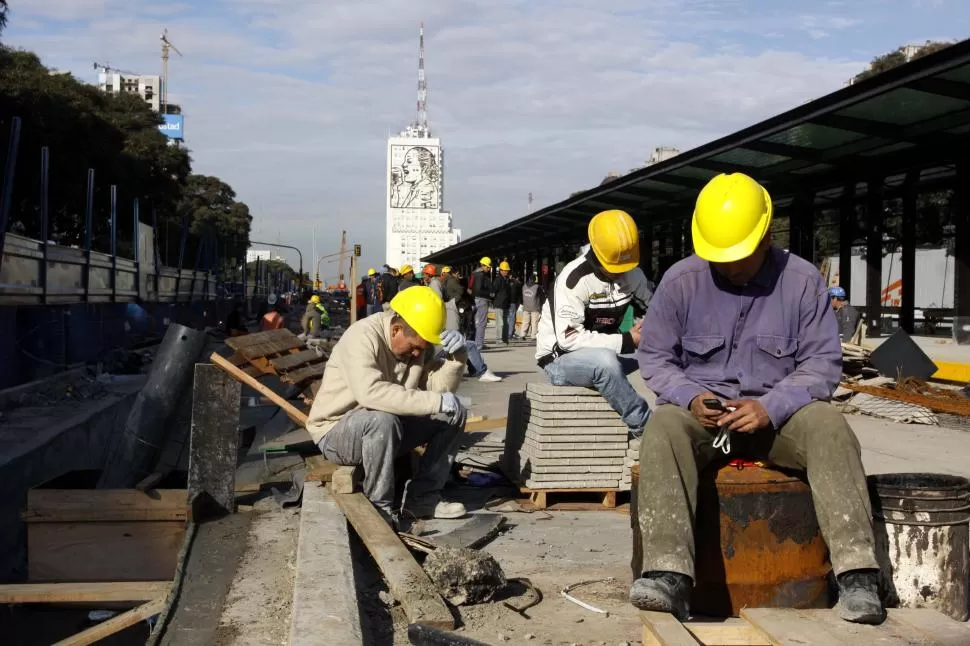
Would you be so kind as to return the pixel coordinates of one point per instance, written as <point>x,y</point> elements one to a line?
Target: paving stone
<point>625,487</point>
<point>571,477</point>
<point>554,437</point>
<point>569,462</point>
<point>571,407</point>
<point>542,453</point>
<point>614,422</point>
<point>543,388</point>
<point>592,398</point>
<point>618,431</point>
<point>572,415</point>
<point>585,468</point>
<point>566,484</point>
<point>573,446</point>
<point>635,444</point>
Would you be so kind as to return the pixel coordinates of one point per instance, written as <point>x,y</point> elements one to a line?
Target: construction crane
<point>341,285</point>
<point>166,47</point>
<point>108,68</point>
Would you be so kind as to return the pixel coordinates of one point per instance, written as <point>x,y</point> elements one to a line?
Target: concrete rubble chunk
<point>464,576</point>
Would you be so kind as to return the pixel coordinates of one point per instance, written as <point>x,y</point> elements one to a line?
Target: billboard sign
<point>172,126</point>
<point>415,177</point>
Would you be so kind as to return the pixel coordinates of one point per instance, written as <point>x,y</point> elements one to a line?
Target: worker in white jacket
<point>579,341</point>
<point>386,391</point>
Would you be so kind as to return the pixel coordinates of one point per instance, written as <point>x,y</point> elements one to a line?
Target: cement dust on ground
<point>257,609</point>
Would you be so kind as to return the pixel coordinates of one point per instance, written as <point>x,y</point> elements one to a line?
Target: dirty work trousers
<point>530,325</point>
<point>374,438</point>
<point>451,315</point>
<point>605,371</point>
<point>481,321</point>
<point>675,447</point>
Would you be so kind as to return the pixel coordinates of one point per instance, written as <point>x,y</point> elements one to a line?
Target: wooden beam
<point>115,624</point>
<point>83,592</point>
<point>296,359</point>
<point>663,629</point>
<point>408,583</point>
<point>318,469</point>
<point>104,505</point>
<point>291,411</point>
<point>346,480</point>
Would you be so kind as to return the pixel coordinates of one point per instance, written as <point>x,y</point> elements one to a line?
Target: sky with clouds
<point>290,101</point>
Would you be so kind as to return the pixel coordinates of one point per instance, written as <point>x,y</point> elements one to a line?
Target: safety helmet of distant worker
<point>314,299</point>
<point>615,241</point>
<point>446,269</point>
<point>371,272</point>
<point>504,266</point>
<point>405,269</point>
<point>836,291</point>
<point>731,218</point>
<point>429,270</point>
<point>485,261</point>
<point>423,310</point>
<point>271,300</point>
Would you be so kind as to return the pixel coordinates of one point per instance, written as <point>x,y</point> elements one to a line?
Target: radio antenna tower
<point>530,202</point>
<point>422,87</point>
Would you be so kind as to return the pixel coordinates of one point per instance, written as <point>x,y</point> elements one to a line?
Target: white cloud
<point>290,100</point>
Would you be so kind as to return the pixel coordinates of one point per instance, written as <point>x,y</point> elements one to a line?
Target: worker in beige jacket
<point>386,391</point>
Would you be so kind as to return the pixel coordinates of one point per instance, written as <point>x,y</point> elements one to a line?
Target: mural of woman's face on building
<point>412,167</point>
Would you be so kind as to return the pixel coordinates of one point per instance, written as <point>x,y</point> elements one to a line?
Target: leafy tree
<point>210,208</point>
<point>3,14</point>
<point>897,57</point>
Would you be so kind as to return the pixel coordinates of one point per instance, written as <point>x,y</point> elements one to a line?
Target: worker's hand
<point>452,341</point>
<point>452,407</point>
<point>749,416</point>
<point>708,417</point>
<point>635,333</point>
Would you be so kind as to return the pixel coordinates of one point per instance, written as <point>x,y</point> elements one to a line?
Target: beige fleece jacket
<point>362,372</point>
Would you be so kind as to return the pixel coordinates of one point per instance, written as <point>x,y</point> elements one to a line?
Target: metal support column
<point>646,249</point>
<point>847,233</point>
<point>676,239</point>
<point>45,164</point>
<point>88,224</point>
<point>114,243</point>
<point>688,237</point>
<point>136,218</point>
<point>9,172</point>
<point>907,305</point>
<point>961,253</point>
<point>805,206</point>
<point>874,229</point>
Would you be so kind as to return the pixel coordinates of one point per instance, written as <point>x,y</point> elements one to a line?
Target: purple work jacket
<point>774,339</point>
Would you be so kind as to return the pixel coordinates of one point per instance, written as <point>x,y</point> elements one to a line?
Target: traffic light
<point>357,250</point>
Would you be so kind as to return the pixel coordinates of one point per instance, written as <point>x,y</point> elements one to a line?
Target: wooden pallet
<point>277,352</point>
<point>539,497</point>
<point>790,627</point>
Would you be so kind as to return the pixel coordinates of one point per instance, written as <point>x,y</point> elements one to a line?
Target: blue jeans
<point>510,317</point>
<point>605,371</point>
<point>475,361</point>
<point>481,321</point>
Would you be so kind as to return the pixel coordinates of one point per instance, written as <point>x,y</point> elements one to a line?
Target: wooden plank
<point>296,377</point>
<point>107,551</point>
<point>731,631</point>
<point>213,442</point>
<point>789,627</point>
<point>484,424</point>
<point>291,411</point>
<point>663,629</point>
<point>295,360</point>
<point>108,505</point>
<point>115,624</point>
<point>933,625</point>
<point>346,480</point>
<point>243,364</point>
<point>284,339</point>
<point>891,632</point>
<point>408,583</point>
<point>324,591</point>
<point>318,469</point>
<point>83,592</point>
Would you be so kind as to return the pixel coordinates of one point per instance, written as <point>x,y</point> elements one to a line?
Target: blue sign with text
<point>172,127</point>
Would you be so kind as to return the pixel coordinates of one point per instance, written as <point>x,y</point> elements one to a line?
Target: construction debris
<point>915,391</point>
<point>464,576</point>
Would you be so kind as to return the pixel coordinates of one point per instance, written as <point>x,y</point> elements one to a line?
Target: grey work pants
<point>373,439</point>
<point>675,447</point>
<point>481,321</point>
<point>451,315</point>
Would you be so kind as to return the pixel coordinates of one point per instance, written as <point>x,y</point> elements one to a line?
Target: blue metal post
<point>9,169</point>
<point>88,225</point>
<point>157,263</point>
<point>114,243</point>
<point>134,246</point>
<point>44,217</point>
<point>178,277</point>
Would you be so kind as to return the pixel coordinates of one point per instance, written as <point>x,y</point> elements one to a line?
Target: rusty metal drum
<point>758,543</point>
<point>923,540</point>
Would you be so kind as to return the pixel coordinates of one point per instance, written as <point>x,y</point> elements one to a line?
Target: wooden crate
<point>790,627</point>
<point>82,535</point>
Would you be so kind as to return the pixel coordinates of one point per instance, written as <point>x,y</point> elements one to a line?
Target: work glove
<point>452,407</point>
<point>452,341</point>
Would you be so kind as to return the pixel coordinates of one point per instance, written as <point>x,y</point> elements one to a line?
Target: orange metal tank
<point>758,543</point>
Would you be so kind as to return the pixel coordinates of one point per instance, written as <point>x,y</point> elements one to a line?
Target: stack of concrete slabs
<point>573,439</point>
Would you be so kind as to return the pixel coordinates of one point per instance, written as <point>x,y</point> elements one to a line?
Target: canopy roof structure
<point>913,117</point>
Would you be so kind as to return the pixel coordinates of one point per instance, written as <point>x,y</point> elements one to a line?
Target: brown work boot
<point>859,597</point>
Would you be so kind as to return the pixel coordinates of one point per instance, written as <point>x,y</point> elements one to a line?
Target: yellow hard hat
<point>371,271</point>
<point>405,269</point>
<point>731,218</point>
<point>504,266</point>
<point>485,261</point>
<point>314,299</point>
<point>446,269</point>
<point>615,241</point>
<point>423,310</point>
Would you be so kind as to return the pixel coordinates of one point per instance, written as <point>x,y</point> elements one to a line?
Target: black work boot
<point>859,597</point>
<point>663,592</point>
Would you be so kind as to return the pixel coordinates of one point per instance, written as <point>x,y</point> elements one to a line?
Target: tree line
<point>116,135</point>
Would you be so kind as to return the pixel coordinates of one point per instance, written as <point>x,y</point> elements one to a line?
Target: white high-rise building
<point>417,224</point>
<point>147,86</point>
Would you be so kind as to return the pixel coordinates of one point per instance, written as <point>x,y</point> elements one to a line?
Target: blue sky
<point>290,101</point>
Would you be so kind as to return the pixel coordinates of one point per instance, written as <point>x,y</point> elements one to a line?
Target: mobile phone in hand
<point>715,404</point>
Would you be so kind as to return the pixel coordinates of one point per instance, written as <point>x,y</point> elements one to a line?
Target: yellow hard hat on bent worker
<point>731,218</point>
<point>615,240</point>
<point>423,310</point>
